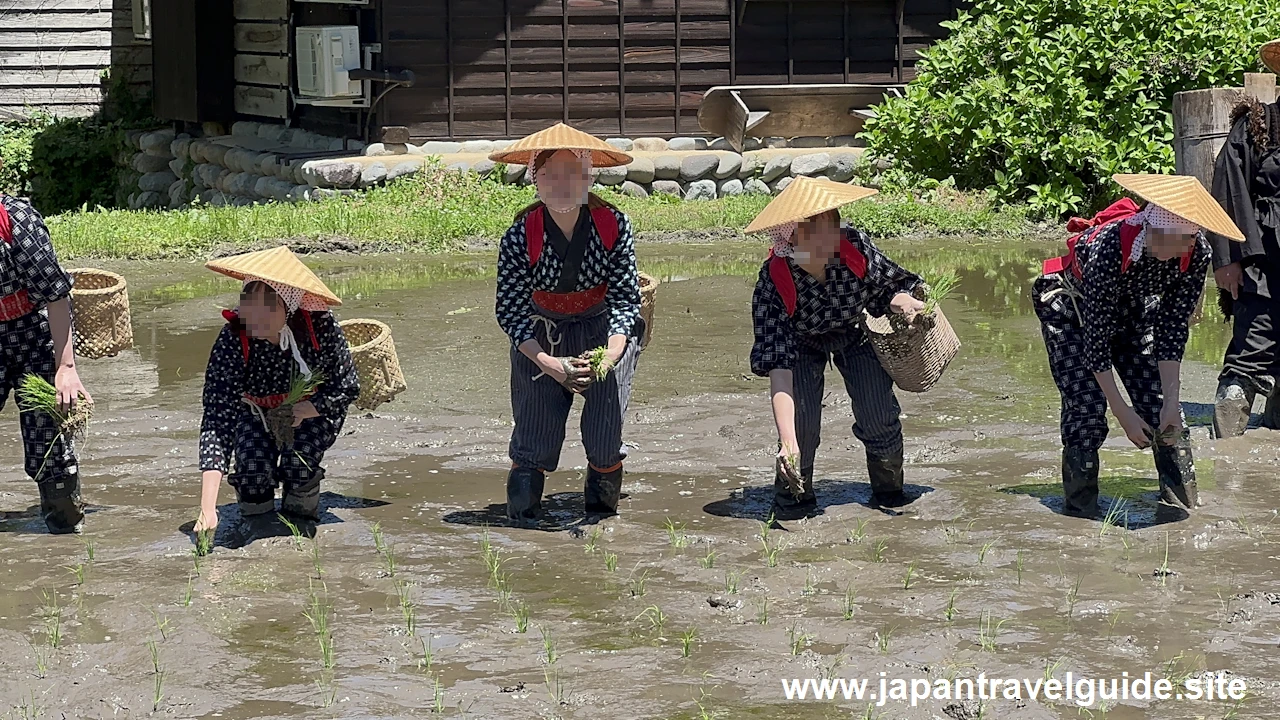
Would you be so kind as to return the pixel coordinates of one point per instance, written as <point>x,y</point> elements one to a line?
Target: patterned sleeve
<point>223,388</point>
<point>775,343</point>
<point>1178,303</point>
<point>34,258</point>
<point>887,276</point>
<point>514,305</point>
<point>341,384</point>
<point>623,296</point>
<point>1101,270</point>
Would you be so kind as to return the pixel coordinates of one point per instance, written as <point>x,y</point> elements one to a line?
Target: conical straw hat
<point>561,137</point>
<point>1271,56</point>
<point>804,198</point>
<point>1184,196</point>
<point>277,265</point>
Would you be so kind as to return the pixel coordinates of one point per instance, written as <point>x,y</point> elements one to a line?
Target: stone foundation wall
<point>263,162</point>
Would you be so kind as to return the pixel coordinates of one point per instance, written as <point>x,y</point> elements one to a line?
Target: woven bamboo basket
<point>648,299</point>
<point>916,355</point>
<point>101,324</point>
<point>374,353</point>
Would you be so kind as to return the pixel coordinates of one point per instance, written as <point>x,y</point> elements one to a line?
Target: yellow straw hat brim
<point>561,137</point>
<point>1271,56</point>
<point>278,265</point>
<point>1184,196</point>
<point>804,198</point>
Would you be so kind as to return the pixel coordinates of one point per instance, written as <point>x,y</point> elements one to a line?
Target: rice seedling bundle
<point>279,420</point>
<point>599,362</point>
<point>35,394</point>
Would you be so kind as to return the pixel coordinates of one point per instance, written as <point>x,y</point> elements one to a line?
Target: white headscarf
<point>294,300</point>
<point>1154,216</point>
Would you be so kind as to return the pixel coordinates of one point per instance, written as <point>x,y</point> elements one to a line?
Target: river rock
<point>698,166</point>
<point>181,147</point>
<point>144,163</point>
<point>245,128</point>
<point>667,187</point>
<point>701,190</point>
<point>812,164</point>
<point>610,176</point>
<point>515,174</point>
<point>721,144</point>
<point>684,144</point>
<point>157,182</point>
<point>483,147</point>
<point>331,173</point>
<point>773,142</point>
<point>499,145</point>
<point>440,147</point>
<point>666,167</point>
<point>650,144</point>
<point>775,167</point>
<point>781,184</point>
<point>267,164</point>
<point>729,167</point>
<point>379,149</point>
<point>842,141</point>
<point>271,131</point>
<point>147,200</point>
<point>756,186</point>
<point>195,151</point>
<point>373,174</point>
<point>750,164</point>
<point>216,153</point>
<point>730,188</point>
<point>300,193</point>
<point>158,143</point>
<point>460,166</point>
<point>624,144</point>
<point>807,142</point>
<point>641,170</point>
<point>410,166</point>
<point>484,167</point>
<point>178,166</point>
<point>752,143</point>
<point>844,166</point>
<point>634,189</point>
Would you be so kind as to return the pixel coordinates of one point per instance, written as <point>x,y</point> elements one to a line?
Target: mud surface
<point>979,575</point>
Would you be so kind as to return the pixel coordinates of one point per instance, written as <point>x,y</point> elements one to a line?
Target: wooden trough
<point>736,112</point>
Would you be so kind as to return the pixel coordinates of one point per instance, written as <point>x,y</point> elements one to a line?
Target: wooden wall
<point>53,54</point>
<point>262,58</point>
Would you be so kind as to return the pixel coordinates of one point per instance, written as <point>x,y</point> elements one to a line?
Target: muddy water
<point>980,575</point>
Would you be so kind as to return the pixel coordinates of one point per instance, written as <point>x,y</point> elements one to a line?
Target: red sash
<point>780,273</point>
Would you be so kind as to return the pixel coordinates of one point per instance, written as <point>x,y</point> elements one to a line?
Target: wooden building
<point>504,68</point>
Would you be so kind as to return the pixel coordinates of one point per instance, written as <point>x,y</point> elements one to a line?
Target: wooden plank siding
<point>262,58</point>
<point>503,68</point>
<point>55,55</point>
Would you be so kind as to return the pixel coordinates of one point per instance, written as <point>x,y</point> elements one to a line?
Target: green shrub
<point>73,164</point>
<point>16,139</point>
<point>1043,100</point>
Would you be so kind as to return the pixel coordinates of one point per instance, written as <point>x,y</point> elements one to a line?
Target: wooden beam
<point>262,38</point>
<point>41,21</point>
<point>261,9</point>
<point>262,101</point>
<point>263,70</point>
<point>54,41</point>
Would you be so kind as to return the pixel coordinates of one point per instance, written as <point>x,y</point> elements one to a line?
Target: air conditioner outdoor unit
<point>326,55</point>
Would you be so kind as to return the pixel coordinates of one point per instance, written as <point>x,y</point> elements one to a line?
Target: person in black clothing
<point>1246,181</point>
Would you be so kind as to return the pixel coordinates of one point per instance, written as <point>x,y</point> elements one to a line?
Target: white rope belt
<point>258,409</point>
<point>553,337</point>
<point>1066,288</point>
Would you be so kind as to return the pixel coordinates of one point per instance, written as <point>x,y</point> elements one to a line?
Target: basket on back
<point>101,324</point>
<point>914,355</point>
<point>374,354</point>
<point>648,298</point>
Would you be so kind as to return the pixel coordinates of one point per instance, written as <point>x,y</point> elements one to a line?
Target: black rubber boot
<point>1271,416</point>
<point>786,505</point>
<point>1080,482</point>
<point>1231,408</point>
<point>524,494</point>
<point>601,491</point>
<point>303,500</point>
<point>886,479</point>
<point>256,503</point>
<point>1177,471</point>
<point>60,504</point>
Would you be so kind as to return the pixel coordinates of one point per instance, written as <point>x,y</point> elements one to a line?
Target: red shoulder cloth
<point>535,233</point>
<point>780,272</point>
<point>6,226</point>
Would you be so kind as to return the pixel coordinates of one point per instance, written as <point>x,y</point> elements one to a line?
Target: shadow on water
<point>236,531</point>
<point>756,503</point>
<point>562,511</point>
<point>1125,501</point>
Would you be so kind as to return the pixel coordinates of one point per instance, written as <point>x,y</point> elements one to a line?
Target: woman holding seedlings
<point>1121,300</point>
<point>807,312</point>
<point>35,340</point>
<point>569,298</point>
<point>276,391</point>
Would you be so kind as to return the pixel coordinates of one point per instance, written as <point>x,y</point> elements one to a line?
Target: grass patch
<point>438,211</point>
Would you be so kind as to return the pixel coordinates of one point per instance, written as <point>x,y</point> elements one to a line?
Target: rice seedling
<point>955,535</point>
<point>657,619</point>
<point>549,654</point>
<point>408,611</point>
<point>1073,596</point>
<point>77,570</point>
<point>809,589</point>
<point>762,615</point>
<point>882,638</point>
<point>40,654</point>
<point>986,548</point>
<point>437,697</point>
<point>765,528</point>
<point>988,631</point>
<point>1112,618</point>
<point>849,603</point>
<point>731,581</point>
<point>1164,572</point>
<point>389,564</point>
<point>830,669</point>
<point>486,546</point>
<point>1233,712</point>
<point>555,686</point>
<point>859,532</point>
<point>318,612</point>
<point>295,532</point>
<point>797,639</point>
<point>162,624</point>
<point>687,638</point>
<point>950,612</point>
<point>158,675</point>
<point>870,713</point>
<point>708,561</point>
<point>638,583</point>
<point>939,287</point>
<point>1018,564</point>
<point>428,655</point>
<point>279,420</point>
<point>599,359</point>
<point>675,534</point>
<point>90,547</point>
<point>315,558</point>
<point>877,553</point>
<point>520,614</point>
<point>1179,668</point>
<point>1052,668</point>
<point>27,709</point>
<point>189,593</point>
<point>379,542</point>
<point>593,542</point>
<point>51,613</point>
<point>906,580</point>
<point>35,394</point>
<point>328,690</point>
<point>610,561</point>
<point>1116,514</point>
<point>771,552</point>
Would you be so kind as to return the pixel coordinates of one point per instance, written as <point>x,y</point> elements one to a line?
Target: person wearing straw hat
<point>807,311</point>
<point>280,338</point>
<point>1120,303</point>
<point>1246,181</point>
<point>36,339</point>
<point>567,285</point>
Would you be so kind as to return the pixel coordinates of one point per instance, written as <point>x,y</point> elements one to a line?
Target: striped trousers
<point>541,407</point>
<point>26,347</point>
<point>259,464</point>
<point>875,408</point>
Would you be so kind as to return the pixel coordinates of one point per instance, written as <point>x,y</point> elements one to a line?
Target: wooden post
<point>1202,121</point>
<point>1260,86</point>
